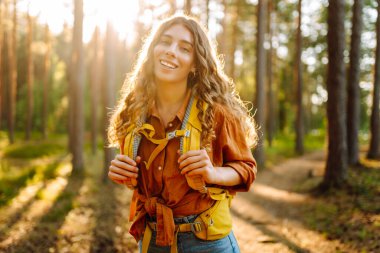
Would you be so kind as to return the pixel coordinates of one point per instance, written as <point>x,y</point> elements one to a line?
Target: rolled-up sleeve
<point>230,148</point>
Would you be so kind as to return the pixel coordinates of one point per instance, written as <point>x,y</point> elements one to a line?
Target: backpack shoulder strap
<point>192,124</point>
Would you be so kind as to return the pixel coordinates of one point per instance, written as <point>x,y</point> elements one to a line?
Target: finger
<point>195,172</point>
<point>126,159</point>
<point>194,166</point>
<point>124,165</point>
<point>189,160</point>
<point>117,181</point>
<point>138,159</point>
<point>116,177</point>
<point>123,172</point>
<point>188,154</point>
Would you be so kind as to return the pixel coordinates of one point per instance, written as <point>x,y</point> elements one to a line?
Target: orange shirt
<point>164,192</point>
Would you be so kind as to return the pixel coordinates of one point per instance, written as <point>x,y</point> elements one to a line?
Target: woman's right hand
<point>124,170</point>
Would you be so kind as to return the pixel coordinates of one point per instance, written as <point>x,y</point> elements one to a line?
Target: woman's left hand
<point>197,162</point>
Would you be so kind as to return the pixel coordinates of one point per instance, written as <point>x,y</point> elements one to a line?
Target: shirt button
<point>170,124</point>
<point>159,168</point>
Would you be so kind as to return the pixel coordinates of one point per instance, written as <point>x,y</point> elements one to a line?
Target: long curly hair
<point>209,83</point>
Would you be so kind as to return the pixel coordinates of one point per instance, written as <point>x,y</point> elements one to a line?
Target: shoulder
<point>223,112</point>
<point>224,116</point>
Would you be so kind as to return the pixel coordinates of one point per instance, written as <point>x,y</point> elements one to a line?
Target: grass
<point>19,169</point>
<point>12,178</point>
<point>33,150</point>
<point>283,146</point>
<point>351,214</point>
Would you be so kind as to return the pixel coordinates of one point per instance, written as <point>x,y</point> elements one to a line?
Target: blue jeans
<point>187,242</point>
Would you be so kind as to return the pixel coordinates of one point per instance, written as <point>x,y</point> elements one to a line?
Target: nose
<point>171,50</point>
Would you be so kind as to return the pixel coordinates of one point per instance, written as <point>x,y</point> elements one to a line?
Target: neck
<point>169,95</point>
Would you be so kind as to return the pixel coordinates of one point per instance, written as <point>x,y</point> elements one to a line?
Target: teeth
<point>168,64</point>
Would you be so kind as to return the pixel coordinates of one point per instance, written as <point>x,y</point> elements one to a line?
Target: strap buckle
<point>178,133</point>
<point>196,227</point>
<point>171,135</point>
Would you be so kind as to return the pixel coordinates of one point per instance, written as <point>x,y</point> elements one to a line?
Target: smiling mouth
<point>168,64</point>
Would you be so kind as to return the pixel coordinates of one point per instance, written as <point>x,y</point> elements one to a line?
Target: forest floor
<point>58,211</point>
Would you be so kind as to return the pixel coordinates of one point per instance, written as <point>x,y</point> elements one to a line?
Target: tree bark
<point>299,148</point>
<point>172,7</point>
<point>12,54</point>
<point>30,78</point>
<point>232,41</point>
<point>77,86</point>
<point>95,83</point>
<point>374,151</point>
<point>46,78</point>
<point>270,120</point>
<point>221,37</point>
<point>336,166</point>
<point>187,7</point>
<point>109,92</point>
<point>353,90</point>
<point>207,3</point>
<point>260,80</point>
<point>1,58</point>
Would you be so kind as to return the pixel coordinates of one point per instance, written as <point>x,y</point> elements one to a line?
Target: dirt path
<point>74,214</point>
<point>266,219</point>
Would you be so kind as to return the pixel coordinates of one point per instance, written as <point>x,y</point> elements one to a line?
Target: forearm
<point>226,176</point>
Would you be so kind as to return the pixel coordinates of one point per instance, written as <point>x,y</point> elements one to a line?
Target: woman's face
<point>174,56</point>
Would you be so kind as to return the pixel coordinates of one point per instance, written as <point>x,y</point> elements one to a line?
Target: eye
<point>164,41</point>
<point>186,47</point>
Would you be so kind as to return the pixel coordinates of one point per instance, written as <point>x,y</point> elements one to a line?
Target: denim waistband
<point>177,220</point>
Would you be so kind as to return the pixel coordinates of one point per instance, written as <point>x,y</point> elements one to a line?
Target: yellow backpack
<point>212,224</point>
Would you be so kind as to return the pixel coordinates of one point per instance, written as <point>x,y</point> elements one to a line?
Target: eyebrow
<point>183,41</point>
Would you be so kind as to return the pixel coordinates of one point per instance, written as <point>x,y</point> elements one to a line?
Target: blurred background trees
<point>66,80</point>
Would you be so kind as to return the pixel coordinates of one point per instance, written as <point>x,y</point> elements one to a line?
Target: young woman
<point>178,66</point>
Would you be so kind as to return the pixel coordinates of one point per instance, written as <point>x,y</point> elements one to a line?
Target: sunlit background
<point>52,200</point>
<point>232,27</point>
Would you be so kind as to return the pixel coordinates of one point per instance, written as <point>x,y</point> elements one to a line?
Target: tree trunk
<point>12,54</point>
<point>109,92</point>
<point>260,80</point>
<point>353,90</point>
<point>187,7</point>
<point>221,37</point>
<point>270,120</point>
<point>207,3</point>
<point>299,148</point>
<point>95,83</point>
<point>46,78</point>
<point>1,58</point>
<point>30,78</point>
<point>76,89</point>
<point>232,41</point>
<point>336,166</point>
<point>374,151</point>
<point>172,7</point>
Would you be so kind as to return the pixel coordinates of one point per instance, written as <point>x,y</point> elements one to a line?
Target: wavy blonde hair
<point>209,83</point>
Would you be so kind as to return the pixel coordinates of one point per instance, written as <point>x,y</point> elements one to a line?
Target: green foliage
<point>350,213</point>
<point>283,146</point>
<point>33,150</point>
<point>13,178</point>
